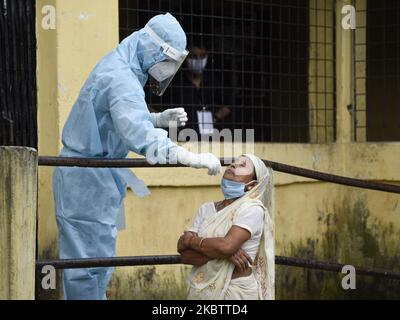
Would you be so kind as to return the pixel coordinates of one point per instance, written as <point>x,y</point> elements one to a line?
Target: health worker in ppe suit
<point>110,118</point>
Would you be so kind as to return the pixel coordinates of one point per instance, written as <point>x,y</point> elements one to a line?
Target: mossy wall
<point>353,235</point>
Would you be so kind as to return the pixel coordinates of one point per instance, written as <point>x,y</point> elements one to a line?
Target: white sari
<point>213,280</point>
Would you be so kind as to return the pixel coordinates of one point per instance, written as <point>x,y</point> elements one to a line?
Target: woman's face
<point>241,170</point>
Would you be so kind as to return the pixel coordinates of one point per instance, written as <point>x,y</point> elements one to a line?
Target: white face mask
<point>163,70</point>
<point>162,73</point>
<point>197,65</point>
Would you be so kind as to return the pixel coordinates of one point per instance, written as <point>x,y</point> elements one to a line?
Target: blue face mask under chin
<point>232,189</point>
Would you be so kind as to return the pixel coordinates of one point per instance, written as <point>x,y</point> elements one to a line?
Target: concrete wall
<point>18,199</point>
<point>313,219</point>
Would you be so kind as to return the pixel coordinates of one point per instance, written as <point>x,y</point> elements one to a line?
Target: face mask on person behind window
<point>197,66</point>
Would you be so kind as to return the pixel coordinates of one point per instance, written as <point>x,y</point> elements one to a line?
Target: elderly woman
<point>231,242</point>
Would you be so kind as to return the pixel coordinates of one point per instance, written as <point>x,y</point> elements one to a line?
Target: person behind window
<point>200,91</point>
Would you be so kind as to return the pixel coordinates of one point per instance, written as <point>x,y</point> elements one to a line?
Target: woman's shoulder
<point>255,208</point>
<point>207,206</point>
<point>253,204</point>
<point>205,210</point>
<point>251,217</point>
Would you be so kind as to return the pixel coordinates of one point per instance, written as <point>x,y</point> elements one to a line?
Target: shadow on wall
<point>351,237</point>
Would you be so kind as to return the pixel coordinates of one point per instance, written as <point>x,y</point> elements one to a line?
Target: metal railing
<point>175,259</point>
<point>280,167</point>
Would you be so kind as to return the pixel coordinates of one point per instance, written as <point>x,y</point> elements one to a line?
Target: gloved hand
<point>162,119</point>
<point>199,160</point>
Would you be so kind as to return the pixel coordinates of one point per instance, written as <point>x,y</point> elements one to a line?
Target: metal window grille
<point>377,70</point>
<point>18,125</point>
<point>270,62</point>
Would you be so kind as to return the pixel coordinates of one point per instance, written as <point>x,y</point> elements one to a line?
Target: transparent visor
<point>161,75</point>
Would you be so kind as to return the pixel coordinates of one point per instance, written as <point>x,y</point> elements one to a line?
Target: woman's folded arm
<point>219,247</point>
<point>194,258</point>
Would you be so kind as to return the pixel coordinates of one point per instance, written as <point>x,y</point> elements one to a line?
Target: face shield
<point>162,73</point>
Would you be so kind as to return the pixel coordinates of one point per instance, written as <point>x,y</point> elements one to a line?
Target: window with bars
<point>377,70</point>
<point>18,111</point>
<point>270,64</point>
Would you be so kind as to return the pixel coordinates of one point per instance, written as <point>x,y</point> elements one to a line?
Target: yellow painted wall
<point>308,213</point>
<point>18,200</point>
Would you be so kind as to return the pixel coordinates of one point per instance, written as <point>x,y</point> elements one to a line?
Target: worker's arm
<point>133,123</point>
<point>132,120</point>
<point>219,247</point>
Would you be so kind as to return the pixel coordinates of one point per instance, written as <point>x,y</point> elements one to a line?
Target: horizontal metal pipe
<point>175,259</point>
<point>327,177</point>
<point>280,167</point>
<point>101,163</point>
<point>335,267</point>
<point>110,262</point>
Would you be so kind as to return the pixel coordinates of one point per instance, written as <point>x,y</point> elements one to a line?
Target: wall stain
<point>353,237</point>
<point>147,283</point>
